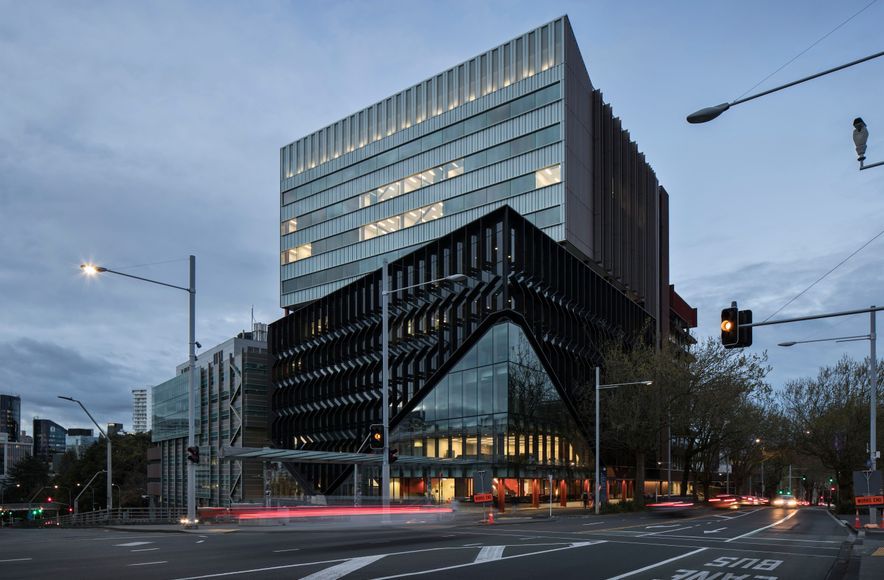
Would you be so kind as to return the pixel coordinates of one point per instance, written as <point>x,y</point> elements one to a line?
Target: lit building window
<point>295,254</point>
<point>412,183</point>
<point>289,226</point>
<point>401,221</point>
<point>547,176</point>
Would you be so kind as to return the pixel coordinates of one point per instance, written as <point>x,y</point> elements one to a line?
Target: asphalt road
<point>752,544</point>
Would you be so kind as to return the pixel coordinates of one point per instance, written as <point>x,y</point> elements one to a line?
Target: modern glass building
<point>49,439</point>
<point>234,405</point>
<point>10,416</point>
<point>472,171</point>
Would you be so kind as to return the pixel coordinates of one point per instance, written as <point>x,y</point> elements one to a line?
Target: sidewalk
<point>868,549</point>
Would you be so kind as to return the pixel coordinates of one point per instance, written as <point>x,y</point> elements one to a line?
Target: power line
<point>838,265</point>
<point>863,9</point>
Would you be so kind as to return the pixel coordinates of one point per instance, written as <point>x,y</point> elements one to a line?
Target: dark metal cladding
<point>327,370</point>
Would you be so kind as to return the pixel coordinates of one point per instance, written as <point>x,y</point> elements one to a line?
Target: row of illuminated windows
<point>499,114</point>
<point>512,148</point>
<point>519,59</point>
<point>383,193</point>
<point>499,191</point>
<point>542,219</point>
<point>404,220</point>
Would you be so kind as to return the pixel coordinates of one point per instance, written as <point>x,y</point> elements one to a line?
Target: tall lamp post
<point>110,493</point>
<point>598,388</point>
<point>92,269</point>
<point>385,367</point>
<point>873,388</point>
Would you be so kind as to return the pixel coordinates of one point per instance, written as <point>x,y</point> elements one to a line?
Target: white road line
<point>144,550</point>
<point>664,532</point>
<point>594,524</point>
<point>16,560</point>
<point>652,566</point>
<point>149,563</point>
<point>793,514</point>
<point>489,553</point>
<point>131,544</point>
<point>475,544</point>
<point>713,531</point>
<point>434,570</point>
<point>344,568</point>
<point>286,550</point>
<point>268,569</point>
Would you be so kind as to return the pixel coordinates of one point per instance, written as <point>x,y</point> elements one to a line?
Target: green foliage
<point>27,477</point>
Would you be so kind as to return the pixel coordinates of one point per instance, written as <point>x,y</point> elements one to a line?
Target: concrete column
<point>563,493</point>
<point>535,493</point>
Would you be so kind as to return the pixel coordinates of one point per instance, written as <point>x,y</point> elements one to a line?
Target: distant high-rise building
<point>49,439</point>
<point>10,416</point>
<point>234,403</point>
<point>11,452</point>
<point>78,440</point>
<point>141,411</point>
<point>115,429</point>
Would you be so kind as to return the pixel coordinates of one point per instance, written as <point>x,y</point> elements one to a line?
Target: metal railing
<point>124,516</point>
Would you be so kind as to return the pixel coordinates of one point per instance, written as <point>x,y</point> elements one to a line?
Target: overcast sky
<point>137,133</point>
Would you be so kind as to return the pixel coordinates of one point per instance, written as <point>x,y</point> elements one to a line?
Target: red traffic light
<point>49,499</point>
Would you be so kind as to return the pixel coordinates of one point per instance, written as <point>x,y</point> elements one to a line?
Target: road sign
<point>867,483</point>
<point>482,497</point>
<point>870,500</point>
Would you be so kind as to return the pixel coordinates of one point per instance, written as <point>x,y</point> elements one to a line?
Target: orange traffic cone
<point>490,518</point>
<point>856,522</point>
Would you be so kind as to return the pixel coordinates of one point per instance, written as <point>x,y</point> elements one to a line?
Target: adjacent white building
<point>141,410</point>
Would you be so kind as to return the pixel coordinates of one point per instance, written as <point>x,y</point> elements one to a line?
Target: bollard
<point>490,518</point>
<point>856,522</point>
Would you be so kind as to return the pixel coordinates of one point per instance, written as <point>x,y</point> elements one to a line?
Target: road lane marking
<point>594,524</point>
<point>652,566</point>
<point>144,550</point>
<point>149,563</point>
<point>489,553</point>
<point>667,526</point>
<point>344,568</point>
<point>664,531</point>
<point>456,566</point>
<point>200,541</point>
<point>475,544</point>
<point>268,569</point>
<point>286,550</point>
<point>131,544</point>
<point>16,560</point>
<point>793,514</point>
<point>713,531</point>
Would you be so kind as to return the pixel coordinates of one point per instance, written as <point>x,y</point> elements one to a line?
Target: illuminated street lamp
<point>92,269</point>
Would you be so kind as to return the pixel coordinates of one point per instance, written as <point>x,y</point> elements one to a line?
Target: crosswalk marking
<point>489,553</point>
<point>343,568</point>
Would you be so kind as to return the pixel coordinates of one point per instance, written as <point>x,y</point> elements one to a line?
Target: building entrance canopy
<point>333,457</point>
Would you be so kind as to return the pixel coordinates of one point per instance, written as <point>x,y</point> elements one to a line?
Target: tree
<point>829,416</point>
<point>28,476</point>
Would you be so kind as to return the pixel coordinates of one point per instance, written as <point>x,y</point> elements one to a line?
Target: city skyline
<point>166,146</point>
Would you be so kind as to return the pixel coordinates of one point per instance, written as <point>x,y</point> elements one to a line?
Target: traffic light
<point>49,499</point>
<point>730,327</point>
<point>745,319</point>
<point>394,455</point>
<point>193,454</point>
<point>376,436</point>
<point>736,331</point>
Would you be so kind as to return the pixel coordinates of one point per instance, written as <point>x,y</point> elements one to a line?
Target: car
<point>725,502</point>
<point>750,500</point>
<point>784,500</point>
<point>673,506</point>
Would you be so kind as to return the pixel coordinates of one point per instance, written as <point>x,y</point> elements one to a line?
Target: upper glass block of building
<point>424,162</point>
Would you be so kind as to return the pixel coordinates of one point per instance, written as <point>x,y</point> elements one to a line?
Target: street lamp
<point>385,368</point>
<point>110,495</point>
<point>873,386</point>
<point>598,388</point>
<point>92,269</point>
<point>709,113</point>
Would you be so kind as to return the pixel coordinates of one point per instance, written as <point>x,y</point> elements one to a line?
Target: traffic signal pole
<point>873,372</point>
